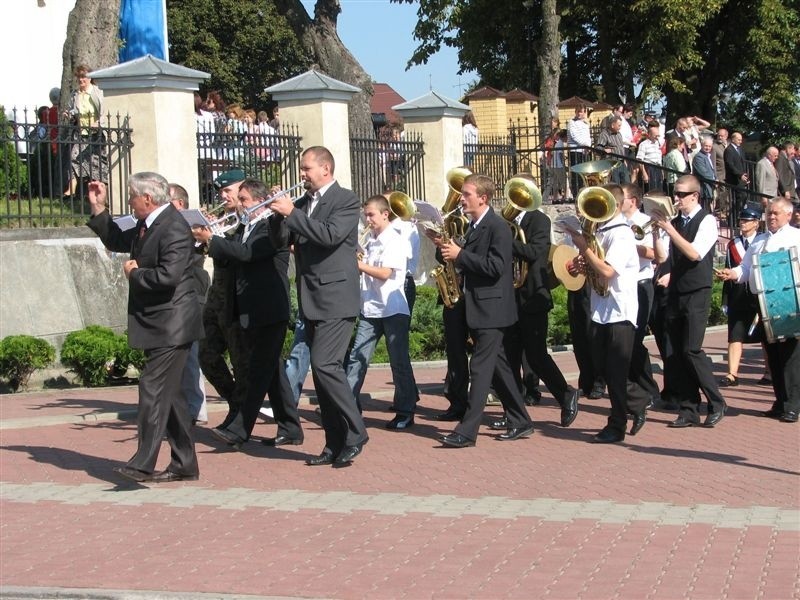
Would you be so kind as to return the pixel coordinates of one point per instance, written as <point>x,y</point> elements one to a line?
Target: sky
<point>380,36</point>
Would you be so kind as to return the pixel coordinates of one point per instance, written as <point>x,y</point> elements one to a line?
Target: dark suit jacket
<point>258,292</point>
<point>534,295</point>
<point>485,262</point>
<point>163,307</point>
<point>325,246</point>
<point>704,169</point>
<point>786,176</point>
<point>734,165</point>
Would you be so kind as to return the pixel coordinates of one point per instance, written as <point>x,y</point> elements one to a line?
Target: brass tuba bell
<point>521,195</point>
<point>455,179</point>
<point>596,205</point>
<point>402,206</point>
<point>594,172</point>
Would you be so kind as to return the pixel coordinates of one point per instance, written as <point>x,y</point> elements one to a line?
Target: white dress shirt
<point>786,237</point>
<point>384,298</point>
<point>622,302</point>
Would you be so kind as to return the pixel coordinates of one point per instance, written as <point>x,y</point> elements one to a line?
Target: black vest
<point>689,275</point>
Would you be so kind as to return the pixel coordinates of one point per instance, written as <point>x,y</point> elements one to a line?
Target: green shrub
<point>20,356</point>
<point>14,173</point>
<point>96,353</point>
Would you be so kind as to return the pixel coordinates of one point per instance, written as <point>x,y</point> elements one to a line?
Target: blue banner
<point>142,29</point>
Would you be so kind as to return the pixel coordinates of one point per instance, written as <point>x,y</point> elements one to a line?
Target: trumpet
<point>247,217</point>
<point>650,203</point>
<point>224,224</point>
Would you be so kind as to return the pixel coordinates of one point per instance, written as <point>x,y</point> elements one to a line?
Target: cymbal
<point>562,256</point>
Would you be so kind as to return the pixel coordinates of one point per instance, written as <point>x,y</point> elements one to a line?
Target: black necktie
<point>746,244</point>
<point>142,225</point>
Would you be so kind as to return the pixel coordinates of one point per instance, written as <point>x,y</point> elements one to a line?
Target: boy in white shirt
<point>384,311</point>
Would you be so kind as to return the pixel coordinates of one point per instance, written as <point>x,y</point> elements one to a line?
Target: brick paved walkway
<point>692,513</point>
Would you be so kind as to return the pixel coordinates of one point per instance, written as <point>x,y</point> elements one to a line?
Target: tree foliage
<point>705,57</point>
<point>245,45</point>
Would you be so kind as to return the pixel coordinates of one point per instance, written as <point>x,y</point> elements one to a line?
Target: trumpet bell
<point>563,255</point>
<point>594,172</point>
<point>596,204</point>
<point>522,195</point>
<point>455,179</point>
<point>402,206</point>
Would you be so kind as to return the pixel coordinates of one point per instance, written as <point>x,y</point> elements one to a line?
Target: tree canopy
<point>728,60</point>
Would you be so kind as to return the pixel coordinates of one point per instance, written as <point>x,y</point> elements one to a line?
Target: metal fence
<point>274,158</point>
<point>395,164</point>
<point>45,168</point>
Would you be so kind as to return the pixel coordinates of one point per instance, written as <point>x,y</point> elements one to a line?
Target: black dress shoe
<point>133,474</point>
<point>597,392</point>
<point>789,417</point>
<point>347,455</point>
<point>682,422</point>
<point>516,433</point>
<point>533,398</point>
<point>456,440</point>
<point>715,417</point>
<point>499,425</point>
<point>449,415</point>
<point>638,422</point>
<point>609,436</point>
<point>282,440</point>
<point>772,414</point>
<point>168,476</point>
<point>400,422</point>
<point>569,408</point>
<point>326,458</point>
<point>233,440</point>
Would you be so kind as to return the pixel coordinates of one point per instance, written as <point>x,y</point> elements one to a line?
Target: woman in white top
<point>470,129</point>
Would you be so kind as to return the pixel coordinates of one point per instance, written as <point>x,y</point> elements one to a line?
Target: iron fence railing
<point>274,158</point>
<point>45,168</point>
<point>378,165</point>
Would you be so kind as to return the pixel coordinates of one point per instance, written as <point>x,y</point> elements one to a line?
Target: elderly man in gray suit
<point>323,226</point>
<point>163,319</point>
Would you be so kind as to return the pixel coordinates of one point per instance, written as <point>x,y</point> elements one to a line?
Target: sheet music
<point>567,223</point>
<point>125,222</point>
<point>428,212</point>
<point>194,217</point>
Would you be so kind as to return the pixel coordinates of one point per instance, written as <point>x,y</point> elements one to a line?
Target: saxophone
<point>455,226</point>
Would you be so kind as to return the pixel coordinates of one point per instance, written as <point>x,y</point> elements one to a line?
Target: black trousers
<point>530,340</point>
<point>687,318</point>
<point>341,419</point>
<point>658,325</point>
<point>641,371</point>
<point>580,325</point>
<point>784,364</point>
<point>490,364</point>
<point>612,344</point>
<point>267,375</point>
<point>163,410</point>
<point>455,342</point>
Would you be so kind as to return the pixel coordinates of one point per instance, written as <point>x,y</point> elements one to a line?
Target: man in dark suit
<point>258,299</point>
<point>163,319</point>
<point>324,230</point>
<point>784,166</point>
<point>703,167</point>
<point>534,303</point>
<point>485,264</point>
<point>736,172</point>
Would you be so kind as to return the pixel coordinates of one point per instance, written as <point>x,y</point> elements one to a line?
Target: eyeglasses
<point>678,194</point>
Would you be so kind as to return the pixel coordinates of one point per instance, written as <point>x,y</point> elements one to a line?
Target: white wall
<point>31,44</point>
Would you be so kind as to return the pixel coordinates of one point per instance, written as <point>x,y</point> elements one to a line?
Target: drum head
<point>562,256</point>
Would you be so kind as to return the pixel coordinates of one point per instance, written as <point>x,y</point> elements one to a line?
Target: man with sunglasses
<point>692,235</point>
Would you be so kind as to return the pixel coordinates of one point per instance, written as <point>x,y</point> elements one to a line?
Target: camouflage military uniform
<point>222,335</point>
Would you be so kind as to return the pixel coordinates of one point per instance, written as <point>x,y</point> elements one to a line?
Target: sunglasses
<point>678,194</point>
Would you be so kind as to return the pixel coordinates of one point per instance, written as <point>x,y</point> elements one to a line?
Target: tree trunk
<point>319,36</point>
<point>549,67</point>
<point>92,40</point>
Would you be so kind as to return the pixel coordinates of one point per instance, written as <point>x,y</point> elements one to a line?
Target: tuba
<point>455,228</point>
<point>521,195</point>
<point>594,172</point>
<point>596,205</point>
